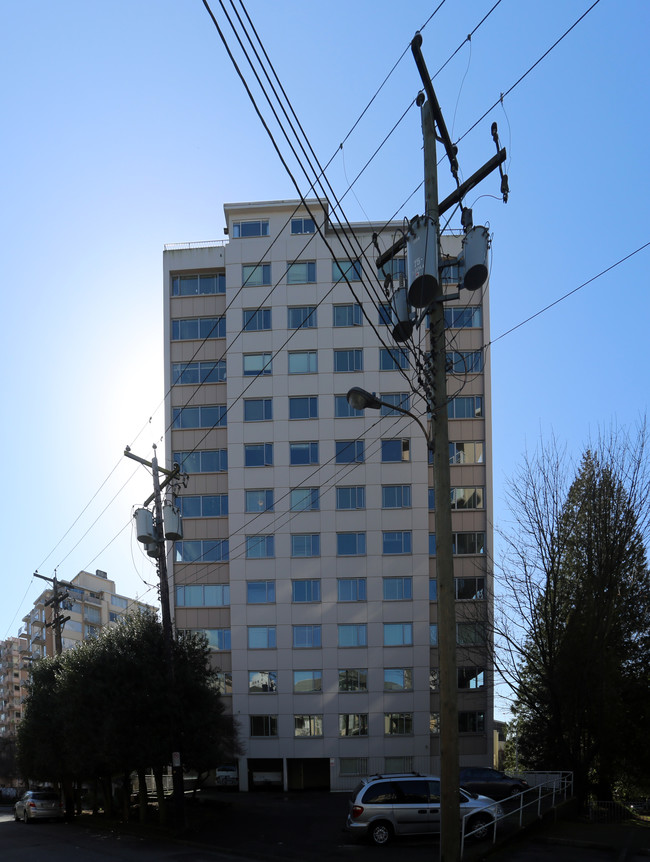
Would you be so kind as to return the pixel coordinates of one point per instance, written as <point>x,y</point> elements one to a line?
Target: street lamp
<point>438,444</point>
<point>361,399</point>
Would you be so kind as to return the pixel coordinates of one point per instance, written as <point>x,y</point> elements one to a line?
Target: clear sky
<point>126,127</point>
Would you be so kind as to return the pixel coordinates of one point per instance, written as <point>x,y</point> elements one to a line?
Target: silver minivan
<point>409,804</point>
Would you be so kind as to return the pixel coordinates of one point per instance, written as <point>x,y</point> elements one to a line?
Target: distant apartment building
<point>309,549</point>
<point>91,603</point>
<point>14,673</point>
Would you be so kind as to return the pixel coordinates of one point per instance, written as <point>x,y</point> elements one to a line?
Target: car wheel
<point>515,791</point>
<point>16,817</point>
<point>380,833</point>
<point>25,817</point>
<point>480,827</point>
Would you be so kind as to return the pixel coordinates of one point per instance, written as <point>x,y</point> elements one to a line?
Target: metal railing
<point>548,791</point>
<point>208,243</point>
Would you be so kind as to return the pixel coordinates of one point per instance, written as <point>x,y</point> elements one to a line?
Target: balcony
<point>38,639</point>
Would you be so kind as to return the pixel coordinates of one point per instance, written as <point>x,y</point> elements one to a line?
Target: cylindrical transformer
<point>173,523</point>
<point>401,324</point>
<point>475,257</point>
<point>422,261</point>
<point>144,526</point>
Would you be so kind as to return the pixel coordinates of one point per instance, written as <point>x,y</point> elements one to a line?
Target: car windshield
<point>44,796</point>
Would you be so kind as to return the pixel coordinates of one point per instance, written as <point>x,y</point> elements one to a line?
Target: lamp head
<point>359,399</point>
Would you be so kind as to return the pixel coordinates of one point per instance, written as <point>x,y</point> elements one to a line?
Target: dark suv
<point>409,804</point>
<point>491,782</point>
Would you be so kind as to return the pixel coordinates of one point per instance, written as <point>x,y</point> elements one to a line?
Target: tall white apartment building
<point>308,556</point>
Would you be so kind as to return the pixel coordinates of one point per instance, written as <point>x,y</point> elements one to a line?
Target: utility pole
<point>58,620</point>
<point>155,541</point>
<point>425,292</point>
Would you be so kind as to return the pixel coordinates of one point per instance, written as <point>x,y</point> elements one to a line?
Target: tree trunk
<point>142,795</point>
<point>160,794</point>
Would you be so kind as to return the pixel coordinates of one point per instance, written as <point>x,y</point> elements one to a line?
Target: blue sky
<point>126,127</point>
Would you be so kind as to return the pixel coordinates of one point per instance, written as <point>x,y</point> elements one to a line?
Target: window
<point>432,544</point>
<point>351,589</point>
<point>218,639</point>
<point>396,496</point>
<point>463,317</point>
<point>303,362</point>
<point>258,409</point>
<point>434,723</point>
<point>353,679</point>
<point>305,591</point>
<point>305,499</point>
<point>256,275</point>
<point>223,681</point>
<point>260,592</point>
<point>385,314</point>
<point>208,506</point>
<point>303,453</point>
<point>258,454</point>
<point>259,547</point>
<point>393,358</point>
<point>470,589</point>
<point>433,590</point>
<point>398,634</point>
<point>351,497</point>
<point>353,724</point>
<point>398,679</point>
<point>347,315</point>
<point>466,453</point>
<point>353,635</point>
<point>468,543</point>
<point>434,679</point>
<point>261,637</point>
<point>467,498</point>
<point>301,272</point>
<point>348,270</point>
<point>348,360</point>
<point>450,274</point>
<point>201,551</point>
<point>206,461</point>
<point>199,372</point>
<point>306,637</point>
<point>264,725</point>
<point>396,542</point>
<point>433,635</point>
<point>302,225</point>
<point>471,634</point>
<point>198,285</point>
<point>396,399</point>
<point>257,363</point>
<point>349,451</point>
<point>398,589</point>
<point>119,602</point>
<point>213,416</point>
<point>303,407</point>
<point>471,677</point>
<point>301,316</point>
<point>262,681</point>
<point>402,763</point>
<point>342,410</point>
<point>307,725</point>
<point>241,229</point>
<point>256,319</point>
<point>203,596</point>
<point>350,544</point>
<point>305,681</point>
<point>398,723</point>
<point>305,544</point>
<point>432,499</point>
<point>353,766</point>
<point>465,361</point>
<point>259,500</point>
<point>465,407</point>
<point>395,450</point>
<point>198,327</point>
<point>471,722</point>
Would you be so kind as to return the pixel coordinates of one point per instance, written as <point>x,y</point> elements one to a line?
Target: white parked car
<point>227,776</point>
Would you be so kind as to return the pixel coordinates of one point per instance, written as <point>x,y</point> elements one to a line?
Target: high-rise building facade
<point>14,673</point>
<point>308,556</point>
